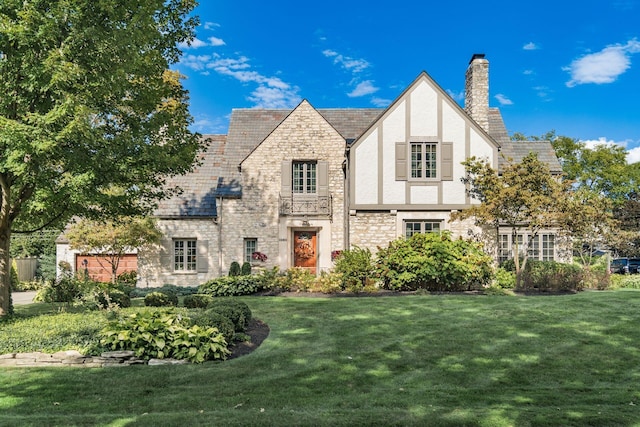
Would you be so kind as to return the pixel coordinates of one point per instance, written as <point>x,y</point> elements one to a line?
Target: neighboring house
<point>297,185</point>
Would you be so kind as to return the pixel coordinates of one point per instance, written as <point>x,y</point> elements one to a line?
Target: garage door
<point>100,270</point>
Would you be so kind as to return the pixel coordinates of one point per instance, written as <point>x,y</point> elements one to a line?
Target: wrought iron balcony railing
<point>305,205</point>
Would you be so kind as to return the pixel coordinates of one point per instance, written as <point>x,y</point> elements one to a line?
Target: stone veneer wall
<point>477,91</point>
<point>304,135</point>
<point>154,271</point>
<point>372,229</point>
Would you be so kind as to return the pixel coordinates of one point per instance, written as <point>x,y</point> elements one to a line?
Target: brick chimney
<point>476,100</point>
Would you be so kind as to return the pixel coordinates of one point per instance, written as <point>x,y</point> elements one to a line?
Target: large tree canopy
<point>91,120</point>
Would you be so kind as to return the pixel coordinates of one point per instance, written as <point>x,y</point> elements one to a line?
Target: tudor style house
<point>288,188</point>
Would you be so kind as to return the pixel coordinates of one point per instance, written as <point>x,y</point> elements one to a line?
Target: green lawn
<point>412,360</point>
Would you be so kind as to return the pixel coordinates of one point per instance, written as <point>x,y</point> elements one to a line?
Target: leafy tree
<point>109,241</point>
<point>526,197</point>
<point>588,218</point>
<point>91,121</point>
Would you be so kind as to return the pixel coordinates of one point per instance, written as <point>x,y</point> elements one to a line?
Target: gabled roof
<point>515,151</point>
<point>249,127</point>
<point>198,196</point>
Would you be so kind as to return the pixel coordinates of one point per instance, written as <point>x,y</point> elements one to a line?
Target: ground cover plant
<point>400,360</point>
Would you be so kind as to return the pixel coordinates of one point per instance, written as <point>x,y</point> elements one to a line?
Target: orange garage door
<point>100,270</point>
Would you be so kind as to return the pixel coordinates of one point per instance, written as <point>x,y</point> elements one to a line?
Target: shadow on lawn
<point>374,361</point>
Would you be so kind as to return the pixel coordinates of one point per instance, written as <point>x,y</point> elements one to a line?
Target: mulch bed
<point>258,331</point>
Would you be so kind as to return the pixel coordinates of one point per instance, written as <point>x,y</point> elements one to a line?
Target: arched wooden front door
<point>305,250</point>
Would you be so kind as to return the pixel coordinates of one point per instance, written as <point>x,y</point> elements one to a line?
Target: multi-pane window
<point>250,246</point>
<point>541,247</point>
<point>548,247</point>
<point>184,255</point>
<point>504,248</point>
<point>420,226</point>
<point>304,177</point>
<point>423,160</point>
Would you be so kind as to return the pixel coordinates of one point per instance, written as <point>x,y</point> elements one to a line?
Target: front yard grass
<point>409,360</point>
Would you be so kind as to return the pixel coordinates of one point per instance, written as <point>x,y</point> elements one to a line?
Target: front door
<point>305,252</point>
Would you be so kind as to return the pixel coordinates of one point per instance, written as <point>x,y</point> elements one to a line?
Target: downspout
<point>347,197</point>
<point>219,218</point>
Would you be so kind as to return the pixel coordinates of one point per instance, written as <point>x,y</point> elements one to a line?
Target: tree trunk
<point>5,271</point>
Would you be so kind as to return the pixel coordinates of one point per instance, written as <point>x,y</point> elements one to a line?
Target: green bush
<point>435,262</point>
<point>551,276</point>
<point>113,297</point>
<point>164,334</point>
<point>14,280</point>
<point>327,283</point>
<point>213,319</point>
<point>66,289</point>
<point>246,269</point>
<point>295,279</point>
<point>624,281</point>
<point>234,269</point>
<point>504,279</point>
<point>197,301</point>
<point>233,285</point>
<point>179,291</point>
<point>160,299</point>
<point>236,311</point>
<point>356,267</point>
<point>129,278</point>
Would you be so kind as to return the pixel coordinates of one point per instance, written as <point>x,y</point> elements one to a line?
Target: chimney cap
<point>477,56</point>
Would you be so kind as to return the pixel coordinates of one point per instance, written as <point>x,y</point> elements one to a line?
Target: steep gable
<point>379,158</point>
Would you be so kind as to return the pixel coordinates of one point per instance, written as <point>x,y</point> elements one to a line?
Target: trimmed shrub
<point>246,269</point>
<point>234,269</point>
<point>356,267</point>
<point>164,334</point>
<point>233,285</point>
<point>213,319</point>
<point>197,301</point>
<point>551,276</point>
<point>236,311</point>
<point>160,299</point>
<point>434,262</point>
<point>15,281</point>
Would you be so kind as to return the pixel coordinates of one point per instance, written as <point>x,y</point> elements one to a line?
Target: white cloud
<point>214,41</point>
<point>350,64</point>
<point>380,102</point>
<point>503,100</point>
<point>271,92</point>
<point>193,44</point>
<point>211,25</point>
<point>633,154</point>
<point>604,66</point>
<point>273,97</point>
<point>531,46</point>
<point>363,88</point>
<point>528,72</point>
<point>195,62</point>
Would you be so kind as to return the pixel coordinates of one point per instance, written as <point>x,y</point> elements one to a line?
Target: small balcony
<point>306,205</point>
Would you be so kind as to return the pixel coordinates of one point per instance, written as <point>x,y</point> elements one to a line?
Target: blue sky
<point>569,66</point>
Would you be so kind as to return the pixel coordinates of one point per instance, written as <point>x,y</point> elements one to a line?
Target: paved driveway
<point>21,298</point>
